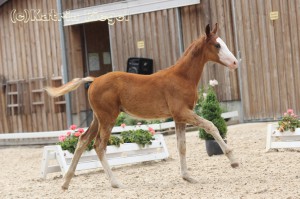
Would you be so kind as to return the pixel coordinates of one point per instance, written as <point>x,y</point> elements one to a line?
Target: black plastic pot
<point>213,148</point>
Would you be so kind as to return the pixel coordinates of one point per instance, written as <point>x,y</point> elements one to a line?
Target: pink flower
<point>73,127</point>
<point>61,138</point>
<point>81,130</point>
<point>285,114</point>
<point>123,125</point>
<point>77,134</point>
<point>290,111</point>
<point>69,133</point>
<point>293,115</point>
<point>151,130</point>
<point>139,123</point>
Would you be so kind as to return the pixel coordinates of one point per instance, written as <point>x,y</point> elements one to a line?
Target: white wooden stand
<point>127,153</point>
<point>276,139</point>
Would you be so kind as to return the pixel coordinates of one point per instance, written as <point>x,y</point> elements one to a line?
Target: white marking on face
<point>225,56</point>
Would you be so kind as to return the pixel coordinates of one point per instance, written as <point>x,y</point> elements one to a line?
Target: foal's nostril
<point>234,63</point>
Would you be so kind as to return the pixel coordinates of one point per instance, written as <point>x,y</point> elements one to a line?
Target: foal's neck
<point>191,64</point>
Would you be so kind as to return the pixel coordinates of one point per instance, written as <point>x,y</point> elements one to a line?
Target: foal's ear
<point>207,30</point>
<point>215,29</point>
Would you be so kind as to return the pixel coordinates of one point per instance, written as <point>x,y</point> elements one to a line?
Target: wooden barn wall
<point>194,20</point>
<point>29,51</point>
<point>270,52</point>
<point>158,30</point>
<point>75,51</point>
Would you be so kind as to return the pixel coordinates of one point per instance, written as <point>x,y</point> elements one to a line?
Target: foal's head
<point>216,50</point>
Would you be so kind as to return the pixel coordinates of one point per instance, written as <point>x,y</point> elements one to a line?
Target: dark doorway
<point>96,53</point>
<point>96,45</point>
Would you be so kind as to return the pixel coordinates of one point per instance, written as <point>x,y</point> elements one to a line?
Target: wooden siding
<point>29,51</point>
<point>270,53</point>
<point>194,20</point>
<point>269,70</point>
<point>158,30</point>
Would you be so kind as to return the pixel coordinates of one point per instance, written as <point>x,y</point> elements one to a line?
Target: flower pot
<point>213,148</point>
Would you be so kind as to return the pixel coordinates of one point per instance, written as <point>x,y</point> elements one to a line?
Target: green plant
<point>70,140</point>
<point>115,140</point>
<point>211,110</point>
<point>138,136</point>
<point>289,121</point>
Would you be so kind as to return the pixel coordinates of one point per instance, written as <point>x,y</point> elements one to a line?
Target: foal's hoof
<point>118,185</point>
<point>64,188</point>
<point>234,165</point>
<point>190,179</point>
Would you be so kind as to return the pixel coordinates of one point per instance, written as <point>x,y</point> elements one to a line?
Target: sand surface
<point>275,174</point>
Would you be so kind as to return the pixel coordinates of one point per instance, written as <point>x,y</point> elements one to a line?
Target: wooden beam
<point>120,9</point>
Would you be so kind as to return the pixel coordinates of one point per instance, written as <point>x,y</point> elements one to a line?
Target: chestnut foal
<point>168,93</point>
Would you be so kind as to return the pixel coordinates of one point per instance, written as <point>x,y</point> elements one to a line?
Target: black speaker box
<point>140,65</point>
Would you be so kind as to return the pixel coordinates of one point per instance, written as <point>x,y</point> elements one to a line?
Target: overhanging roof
<point>2,2</point>
<point>120,9</point>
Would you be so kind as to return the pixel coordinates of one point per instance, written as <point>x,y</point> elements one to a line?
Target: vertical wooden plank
<point>119,42</point>
<point>294,7</point>
<point>18,29</point>
<point>125,31</point>
<point>243,39</point>
<point>162,47</point>
<point>166,40</point>
<point>11,54</point>
<point>287,66</point>
<point>3,51</point>
<point>153,25</point>
<point>4,40</point>
<point>130,37</point>
<point>272,62</point>
<point>114,49</point>
<point>174,36</point>
<point>48,71</point>
<point>148,37</point>
<point>263,51</point>
<point>255,73</point>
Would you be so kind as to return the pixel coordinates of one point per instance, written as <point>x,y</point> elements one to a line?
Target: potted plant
<point>289,122</point>
<point>210,109</point>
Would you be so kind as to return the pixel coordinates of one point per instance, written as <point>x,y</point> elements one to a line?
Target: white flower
<point>213,82</point>
<point>204,95</point>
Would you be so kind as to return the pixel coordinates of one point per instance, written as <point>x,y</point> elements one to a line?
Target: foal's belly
<point>147,110</point>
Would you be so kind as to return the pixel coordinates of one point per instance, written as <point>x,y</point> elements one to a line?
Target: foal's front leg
<point>192,118</point>
<point>181,145</point>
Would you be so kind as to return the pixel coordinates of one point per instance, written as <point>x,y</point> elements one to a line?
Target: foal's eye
<point>218,45</point>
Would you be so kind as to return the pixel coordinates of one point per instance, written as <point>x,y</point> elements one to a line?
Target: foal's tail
<point>68,87</point>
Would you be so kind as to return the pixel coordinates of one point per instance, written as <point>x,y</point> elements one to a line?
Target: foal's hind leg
<point>100,148</point>
<point>181,145</point>
<point>83,142</point>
